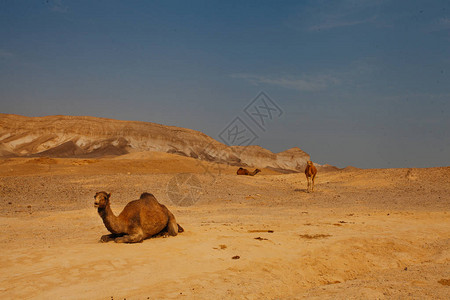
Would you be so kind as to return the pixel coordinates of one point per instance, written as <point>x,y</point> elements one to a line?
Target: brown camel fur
<point>242,171</point>
<point>140,219</point>
<point>310,172</point>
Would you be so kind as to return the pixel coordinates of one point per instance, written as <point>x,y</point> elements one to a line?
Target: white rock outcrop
<point>70,136</point>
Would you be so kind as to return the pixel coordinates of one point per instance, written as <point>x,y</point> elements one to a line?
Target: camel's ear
<point>109,195</point>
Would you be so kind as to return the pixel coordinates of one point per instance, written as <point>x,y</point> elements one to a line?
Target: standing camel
<point>310,172</point>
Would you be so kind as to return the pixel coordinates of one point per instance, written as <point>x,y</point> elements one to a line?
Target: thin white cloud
<point>5,54</point>
<point>57,6</point>
<point>327,15</point>
<point>330,23</point>
<point>303,83</point>
<point>356,72</point>
<point>442,24</point>
<point>445,21</point>
<point>436,25</point>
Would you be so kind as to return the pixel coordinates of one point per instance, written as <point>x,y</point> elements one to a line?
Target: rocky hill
<point>70,136</point>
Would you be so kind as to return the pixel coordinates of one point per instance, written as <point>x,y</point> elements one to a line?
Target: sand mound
<point>42,160</point>
<point>350,169</point>
<point>362,234</point>
<point>154,155</point>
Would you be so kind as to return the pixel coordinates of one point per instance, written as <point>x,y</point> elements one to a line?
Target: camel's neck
<point>253,173</point>
<point>309,170</point>
<point>110,220</point>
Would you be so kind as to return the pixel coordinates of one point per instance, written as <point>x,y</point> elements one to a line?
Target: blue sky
<point>363,83</point>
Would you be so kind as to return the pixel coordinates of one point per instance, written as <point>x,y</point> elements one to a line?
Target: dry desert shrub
<point>314,236</point>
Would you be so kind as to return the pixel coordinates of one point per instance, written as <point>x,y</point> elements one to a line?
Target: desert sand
<point>363,234</point>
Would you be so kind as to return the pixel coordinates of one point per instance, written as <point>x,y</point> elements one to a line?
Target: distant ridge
<point>72,136</point>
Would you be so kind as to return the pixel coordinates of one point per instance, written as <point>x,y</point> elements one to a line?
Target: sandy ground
<point>363,234</point>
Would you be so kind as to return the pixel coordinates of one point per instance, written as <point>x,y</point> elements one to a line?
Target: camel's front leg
<point>309,184</point>
<point>134,238</point>
<point>108,238</point>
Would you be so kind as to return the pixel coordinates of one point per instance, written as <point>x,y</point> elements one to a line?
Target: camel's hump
<point>146,195</point>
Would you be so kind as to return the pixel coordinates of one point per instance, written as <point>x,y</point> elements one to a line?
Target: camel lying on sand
<point>140,219</point>
<point>310,173</point>
<point>242,171</point>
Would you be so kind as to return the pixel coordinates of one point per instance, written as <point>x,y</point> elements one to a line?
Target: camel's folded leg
<point>163,233</point>
<point>108,238</point>
<point>134,238</point>
<point>170,229</point>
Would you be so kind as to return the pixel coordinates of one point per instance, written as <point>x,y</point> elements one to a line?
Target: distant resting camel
<point>310,172</point>
<point>242,171</point>
<point>140,219</point>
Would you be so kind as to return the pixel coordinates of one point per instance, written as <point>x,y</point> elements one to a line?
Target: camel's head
<point>310,163</point>
<point>257,171</point>
<point>101,199</point>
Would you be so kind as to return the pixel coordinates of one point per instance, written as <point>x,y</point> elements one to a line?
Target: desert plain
<point>362,234</point>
